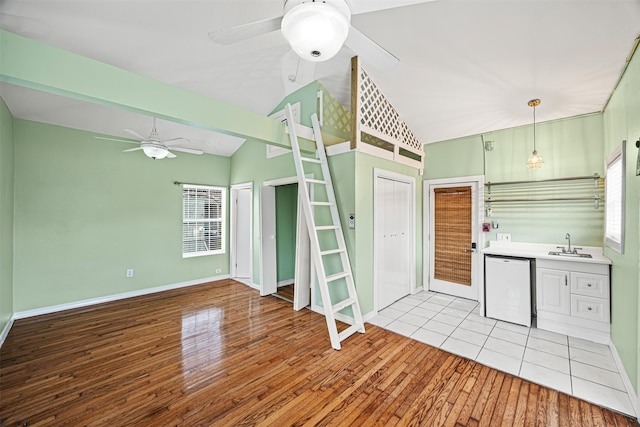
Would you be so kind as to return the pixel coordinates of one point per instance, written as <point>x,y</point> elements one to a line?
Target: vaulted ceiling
<point>466,67</point>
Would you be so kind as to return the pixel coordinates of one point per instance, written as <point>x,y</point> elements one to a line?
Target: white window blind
<point>614,199</point>
<point>203,220</point>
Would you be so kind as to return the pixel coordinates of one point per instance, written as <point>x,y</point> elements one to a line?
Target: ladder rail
<point>317,254</point>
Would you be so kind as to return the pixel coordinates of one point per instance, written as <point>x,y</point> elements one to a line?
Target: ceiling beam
<point>32,64</point>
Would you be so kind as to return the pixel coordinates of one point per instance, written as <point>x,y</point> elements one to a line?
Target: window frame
<point>614,239</point>
<point>220,221</point>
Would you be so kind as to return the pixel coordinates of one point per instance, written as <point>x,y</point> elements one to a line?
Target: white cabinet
<point>572,298</point>
<point>552,291</point>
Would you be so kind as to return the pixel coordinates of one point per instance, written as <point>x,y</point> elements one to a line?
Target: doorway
<point>453,238</point>
<point>241,233</point>
<point>285,244</point>
<point>394,241</point>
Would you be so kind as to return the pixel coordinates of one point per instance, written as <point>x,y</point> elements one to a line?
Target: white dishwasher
<point>507,287</point>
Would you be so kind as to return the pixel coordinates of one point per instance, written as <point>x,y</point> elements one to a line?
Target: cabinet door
<point>552,291</point>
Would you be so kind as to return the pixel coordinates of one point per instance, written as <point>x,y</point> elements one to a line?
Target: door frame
<point>267,216</point>
<point>382,173</point>
<point>235,188</point>
<point>478,217</point>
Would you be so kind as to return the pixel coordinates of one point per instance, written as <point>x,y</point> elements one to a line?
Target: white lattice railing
<point>376,127</point>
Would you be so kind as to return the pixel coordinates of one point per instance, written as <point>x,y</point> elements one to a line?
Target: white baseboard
<point>633,397</point>
<point>7,328</point>
<point>285,282</point>
<point>115,297</point>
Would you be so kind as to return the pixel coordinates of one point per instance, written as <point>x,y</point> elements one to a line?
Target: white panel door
<point>243,233</point>
<point>393,240</point>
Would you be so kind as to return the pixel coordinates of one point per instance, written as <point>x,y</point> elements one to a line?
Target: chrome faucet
<point>568,237</point>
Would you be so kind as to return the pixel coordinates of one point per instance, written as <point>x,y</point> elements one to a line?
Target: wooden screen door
<point>452,248</point>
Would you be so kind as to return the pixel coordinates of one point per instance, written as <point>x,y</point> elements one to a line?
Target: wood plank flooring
<point>219,354</point>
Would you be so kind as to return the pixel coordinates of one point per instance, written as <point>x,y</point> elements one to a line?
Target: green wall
<point>6,215</point>
<point>364,203</point>
<point>286,221</point>
<point>569,147</point>
<point>622,122</point>
<point>85,212</point>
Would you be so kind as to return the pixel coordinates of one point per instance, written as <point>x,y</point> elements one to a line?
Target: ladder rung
<point>342,304</point>
<point>321,204</point>
<point>310,160</point>
<point>326,227</point>
<point>349,331</point>
<point>331,252</point>
<point>316,181</point>
<point>337,276</point>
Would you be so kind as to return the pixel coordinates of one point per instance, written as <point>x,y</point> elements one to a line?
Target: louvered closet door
<point>451,238</point>
<point>393,216</point>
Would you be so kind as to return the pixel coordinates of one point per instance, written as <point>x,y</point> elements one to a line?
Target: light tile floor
<point>574,366</point>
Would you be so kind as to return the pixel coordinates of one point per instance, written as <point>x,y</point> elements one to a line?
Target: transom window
<point>203,220</point>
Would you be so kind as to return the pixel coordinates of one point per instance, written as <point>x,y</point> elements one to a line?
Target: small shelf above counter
<point>571,189</point>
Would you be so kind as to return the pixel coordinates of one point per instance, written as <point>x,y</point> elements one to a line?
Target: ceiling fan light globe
<point>155,152</point>
<point>316,31</point>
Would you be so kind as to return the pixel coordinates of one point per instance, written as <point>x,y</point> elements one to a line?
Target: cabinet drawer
<point>592,285</point>
<point>596,309</point>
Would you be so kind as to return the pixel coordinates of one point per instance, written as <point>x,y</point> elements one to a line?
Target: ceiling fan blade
<point>136,134</point>
<point>170,155</point>
<point>187,150</point>
<point>364,6</point>
<point>174,140</point>
<point>371,52</point>
<point>245,31</point>
<point>106,138</point>
<point>132,149</point>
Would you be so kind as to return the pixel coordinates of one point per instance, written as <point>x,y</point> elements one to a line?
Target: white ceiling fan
<point>153,146</point>
<point>317,29</point>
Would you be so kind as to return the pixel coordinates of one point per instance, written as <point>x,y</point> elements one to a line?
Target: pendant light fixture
<point>535,160</point>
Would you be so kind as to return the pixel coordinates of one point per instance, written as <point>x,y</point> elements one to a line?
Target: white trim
<point>7,328</point>
<point>114,297</point>
<point>285,282</point>
<point>233,218</point>
<point>480,237</point>
<point>618,154</point>
<point>275,150</point>
<point>382,173</point>
<point>335,149</point>
<point>633,397</point>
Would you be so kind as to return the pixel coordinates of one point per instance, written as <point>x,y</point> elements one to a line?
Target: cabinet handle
<point>589,308</point>
<point>589,285</point>
<point>565,280</point>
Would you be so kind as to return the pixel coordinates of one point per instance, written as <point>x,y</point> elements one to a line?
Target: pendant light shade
<point>317,30</point>
<point>535,160</point>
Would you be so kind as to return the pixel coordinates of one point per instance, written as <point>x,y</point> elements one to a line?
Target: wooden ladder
<point>331,286</point>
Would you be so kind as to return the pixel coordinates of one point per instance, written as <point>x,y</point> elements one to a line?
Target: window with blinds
<point>203,220</point>
<point>614,199</point>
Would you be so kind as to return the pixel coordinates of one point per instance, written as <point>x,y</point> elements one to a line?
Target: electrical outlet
<point>218,270</point>
<point>504,236</point>
<point>129,272</point>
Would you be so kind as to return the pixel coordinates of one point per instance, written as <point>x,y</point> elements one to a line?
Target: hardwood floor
<point>219,354</point>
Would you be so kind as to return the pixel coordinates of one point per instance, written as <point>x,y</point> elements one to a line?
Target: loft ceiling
<point>466,67</point>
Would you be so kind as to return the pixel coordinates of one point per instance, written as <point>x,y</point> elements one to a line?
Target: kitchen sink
<point>570,254</point>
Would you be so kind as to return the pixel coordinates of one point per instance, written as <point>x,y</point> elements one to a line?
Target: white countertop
<point>541,251</point>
